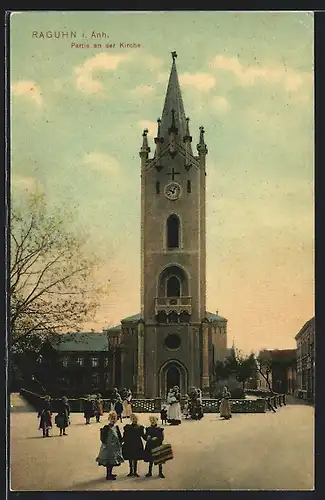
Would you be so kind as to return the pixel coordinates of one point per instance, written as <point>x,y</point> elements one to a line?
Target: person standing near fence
<point>154,437</point>
<point>62,418</point>
<point>98,407</point>
<point>174,414</point>
<point>225,409</point>
<point>88,409</point>
<point>118,407</point>
<point>127,400</point>
<point>110,453</point>
<point>45,416</point>
<point>132,448</point>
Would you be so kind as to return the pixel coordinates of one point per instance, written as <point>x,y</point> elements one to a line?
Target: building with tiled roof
<point>80,363</point>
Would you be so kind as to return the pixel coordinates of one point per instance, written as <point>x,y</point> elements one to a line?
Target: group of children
<point>92,408</point>
<point>116,448</point>
<point>62,419</point>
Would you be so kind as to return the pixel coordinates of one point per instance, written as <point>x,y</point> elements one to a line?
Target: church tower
<point>174,339</point>
<point>173,248</point>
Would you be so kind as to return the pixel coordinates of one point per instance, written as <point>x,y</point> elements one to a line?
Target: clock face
<point>173,191</point>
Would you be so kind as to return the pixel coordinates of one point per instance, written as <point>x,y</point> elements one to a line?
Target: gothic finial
<point>174,55</point>
<point>158,140</point>
<point>187,138</point>
<point>201,147</point>
<point>187,126</point>
<point>145,146</point>
<point>202,131</point>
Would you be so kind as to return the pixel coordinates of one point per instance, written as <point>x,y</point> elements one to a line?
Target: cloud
<point>101,162</point>
<point>150,125</point>
<point>201,81</point>
<point>143,90</point>
<point>152,63</point>
<point>275,74</point>
<point>25,183</point>
<point>85,74</point>
<point>162,77</point>
<point>220,104</point>
<point>28,89</point>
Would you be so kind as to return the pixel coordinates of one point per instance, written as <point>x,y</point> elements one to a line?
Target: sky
<point>77,115</point>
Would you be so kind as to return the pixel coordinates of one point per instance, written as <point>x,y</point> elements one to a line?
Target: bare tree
<point>264,366</point>
<point>51,279</point>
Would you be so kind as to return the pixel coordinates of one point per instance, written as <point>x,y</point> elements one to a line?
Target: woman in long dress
<point>225,408</point>
<point>174,415</point>
<point>127,408</point>
<point>110,453</point>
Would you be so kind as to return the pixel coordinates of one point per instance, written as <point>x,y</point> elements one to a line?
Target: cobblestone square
<point>271,451</point>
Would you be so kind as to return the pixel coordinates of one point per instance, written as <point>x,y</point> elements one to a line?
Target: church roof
<point>81,341</point>
<point>173,101</point>
<point>113,329</point>
<point>138,317</point>
<point>132,319</point>
<point>214,317</point>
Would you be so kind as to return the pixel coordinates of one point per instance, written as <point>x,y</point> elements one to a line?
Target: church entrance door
<point>172,373</point>
<point>173,377</point>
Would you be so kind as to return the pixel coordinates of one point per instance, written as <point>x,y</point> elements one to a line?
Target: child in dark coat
<point>119,408</point>
<point>154,437</point>
<point>45,415</point>
<point>163,415</point>
<point>62,419</point>
<point>88,409</point>
<point>133,449</point>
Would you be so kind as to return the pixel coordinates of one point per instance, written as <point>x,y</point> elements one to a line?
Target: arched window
<point>173,227</point>
<point>173,287</point>
<point>173,317</point>
<point>161,317</point>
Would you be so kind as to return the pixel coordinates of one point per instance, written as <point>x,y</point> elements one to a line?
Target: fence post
<point>157,404</point>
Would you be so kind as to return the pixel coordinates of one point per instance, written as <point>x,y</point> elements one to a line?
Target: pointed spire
<point>145,150</point>
<point>173,101</point>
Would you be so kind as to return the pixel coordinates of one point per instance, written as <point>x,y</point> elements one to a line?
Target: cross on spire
<point>173,173</point>
<point>174,55</point>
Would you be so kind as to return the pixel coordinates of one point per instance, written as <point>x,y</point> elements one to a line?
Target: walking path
<point>271,451</point>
